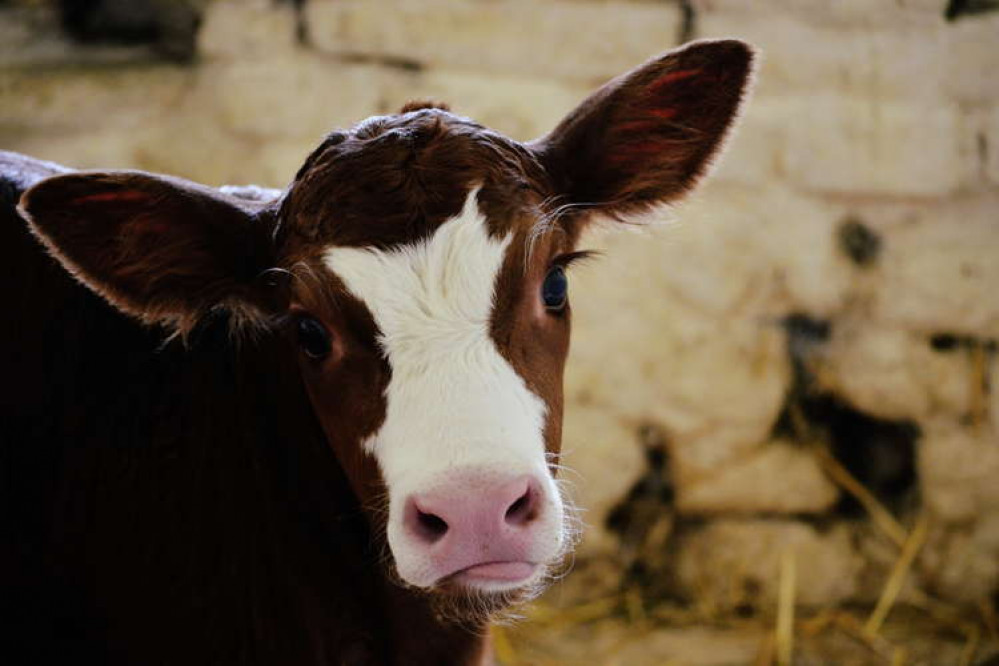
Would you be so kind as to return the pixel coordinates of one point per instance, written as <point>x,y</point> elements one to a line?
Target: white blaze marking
<point>453,401</point>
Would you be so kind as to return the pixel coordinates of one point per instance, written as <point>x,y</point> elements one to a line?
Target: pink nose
<point>479,528</point>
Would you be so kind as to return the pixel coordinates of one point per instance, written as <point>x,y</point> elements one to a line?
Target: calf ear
<point>161,249</point>
<point>648,136</point>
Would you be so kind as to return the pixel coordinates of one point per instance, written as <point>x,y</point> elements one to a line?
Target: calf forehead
<point>393,180</point>
<point>433,301</point>
<point>430,298</point>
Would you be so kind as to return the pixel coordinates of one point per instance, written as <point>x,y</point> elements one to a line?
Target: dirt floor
<point>579,623</point>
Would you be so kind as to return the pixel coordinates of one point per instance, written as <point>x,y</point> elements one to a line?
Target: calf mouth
<point>496,576</point>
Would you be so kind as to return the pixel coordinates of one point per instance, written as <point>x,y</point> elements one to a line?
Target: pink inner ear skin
<point>633,153</point>
<point>638,126</point>
<point>148,224</point>
<point>671,78</point>
<point>663,114</point>
<point>652,121</point>
<point>123,195</point>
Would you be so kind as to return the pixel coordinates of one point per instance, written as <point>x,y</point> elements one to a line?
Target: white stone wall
<point>876,112</point>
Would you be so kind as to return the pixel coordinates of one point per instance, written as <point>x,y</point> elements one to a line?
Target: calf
<point>344,449</point>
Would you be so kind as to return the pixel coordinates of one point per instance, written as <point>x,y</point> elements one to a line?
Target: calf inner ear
<point>161,249</point>
<point>648,136</point>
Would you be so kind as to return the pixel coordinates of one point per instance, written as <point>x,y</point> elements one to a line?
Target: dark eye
<point>313,338</point>
<point>555,290</point>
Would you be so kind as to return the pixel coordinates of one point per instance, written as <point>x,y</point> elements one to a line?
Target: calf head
<point>418,264</point>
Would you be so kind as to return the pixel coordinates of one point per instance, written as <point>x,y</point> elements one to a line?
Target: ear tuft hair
<point>418,104</point>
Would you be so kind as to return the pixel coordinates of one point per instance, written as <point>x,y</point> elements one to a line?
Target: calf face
<point>418,264</point>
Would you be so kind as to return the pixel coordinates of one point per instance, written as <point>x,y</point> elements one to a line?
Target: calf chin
<point>471,607</point>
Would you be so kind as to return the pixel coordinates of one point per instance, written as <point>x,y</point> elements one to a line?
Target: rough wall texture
<point>832,295</point>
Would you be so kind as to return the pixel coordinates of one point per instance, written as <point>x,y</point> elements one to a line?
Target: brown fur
<point>393,180</point>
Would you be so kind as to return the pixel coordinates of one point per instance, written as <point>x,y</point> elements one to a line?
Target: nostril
<point>523,510</point>
<point>430,527</point>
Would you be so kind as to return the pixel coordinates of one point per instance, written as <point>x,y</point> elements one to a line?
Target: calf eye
<point>313,338</point>
<point>555,289</point>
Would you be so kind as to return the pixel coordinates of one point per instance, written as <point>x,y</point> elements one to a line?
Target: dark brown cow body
<point>231,494</point>
<point>150,526</point>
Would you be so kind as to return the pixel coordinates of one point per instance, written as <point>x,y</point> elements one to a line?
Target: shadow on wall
<point>168,27</point>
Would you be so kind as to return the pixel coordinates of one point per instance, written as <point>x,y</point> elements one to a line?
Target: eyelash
<point>571,258</point>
